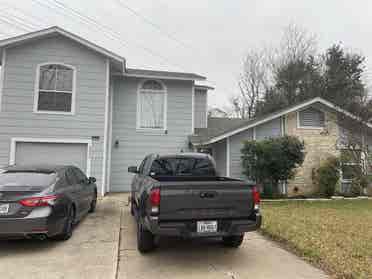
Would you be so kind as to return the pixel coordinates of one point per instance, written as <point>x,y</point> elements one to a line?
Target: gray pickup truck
<point>182,195</point>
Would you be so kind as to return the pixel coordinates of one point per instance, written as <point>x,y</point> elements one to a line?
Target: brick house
<point>316,122</point>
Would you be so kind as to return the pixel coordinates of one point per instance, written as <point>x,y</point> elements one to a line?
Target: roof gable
<point>266,118</point>
<point>116,60</point>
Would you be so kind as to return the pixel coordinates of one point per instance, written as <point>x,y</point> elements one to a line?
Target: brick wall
<point>319,145</point>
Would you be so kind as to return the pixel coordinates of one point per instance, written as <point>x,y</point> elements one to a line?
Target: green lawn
<point>335,235</point>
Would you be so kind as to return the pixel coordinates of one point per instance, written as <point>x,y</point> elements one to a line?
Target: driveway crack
<point>119,244</point>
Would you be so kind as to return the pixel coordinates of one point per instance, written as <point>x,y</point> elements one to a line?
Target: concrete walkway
<point>104,247</point>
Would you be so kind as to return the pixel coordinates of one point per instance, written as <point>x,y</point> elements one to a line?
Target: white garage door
<point>27,153</point>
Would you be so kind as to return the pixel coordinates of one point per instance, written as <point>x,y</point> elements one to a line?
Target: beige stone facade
<point>319,145</point>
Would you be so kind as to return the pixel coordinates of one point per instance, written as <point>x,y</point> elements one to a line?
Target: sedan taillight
<point>39,201</point>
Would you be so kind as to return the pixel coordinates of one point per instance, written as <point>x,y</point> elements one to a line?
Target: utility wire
<point>107,29</point>
<point>153,24</point>
<point>12,24</point>
<point>113,34</point>
<point>17,19</point>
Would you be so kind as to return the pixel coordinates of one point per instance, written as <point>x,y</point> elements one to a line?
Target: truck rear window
<point>182,167</point>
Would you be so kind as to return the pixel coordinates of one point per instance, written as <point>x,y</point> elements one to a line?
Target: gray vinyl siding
<point>311,117</point>
<point>17,118</point>
<point>271,129</point>
<point>200,107</point>
<point>219,155</point>
<point>236,144</point>
<point>134,144</point>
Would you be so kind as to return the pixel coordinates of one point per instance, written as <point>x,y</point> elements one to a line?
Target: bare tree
<point>261,66</point>
<point>355,142</point>
<point>252,84</point>
<point>297,44</point>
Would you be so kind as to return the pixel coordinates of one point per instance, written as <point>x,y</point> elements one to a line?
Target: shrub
<point>327,176</point>
<point>272,160</point>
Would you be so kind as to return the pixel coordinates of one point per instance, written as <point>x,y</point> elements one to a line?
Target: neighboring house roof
<point>216,126</point>
<point>115,59</point>
<point>203,87</point>
<point>162,74</point>
<point>203,136</point>
<point>216,112</point>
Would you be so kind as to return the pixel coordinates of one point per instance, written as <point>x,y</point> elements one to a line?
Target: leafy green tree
<point>343,77</point>
<point>272,160</point>
<point>295,82</point>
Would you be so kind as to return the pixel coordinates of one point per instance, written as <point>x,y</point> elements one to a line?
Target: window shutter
<point>312,118</point>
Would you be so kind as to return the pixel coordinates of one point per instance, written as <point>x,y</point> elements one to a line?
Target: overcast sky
<point>208,37</point>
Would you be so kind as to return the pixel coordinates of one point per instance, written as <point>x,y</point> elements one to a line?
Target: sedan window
<point>28,179</point>
<point>80,175</point>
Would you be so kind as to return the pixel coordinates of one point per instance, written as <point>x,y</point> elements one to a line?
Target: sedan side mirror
<point>133,169</point>
<point>92,180</point>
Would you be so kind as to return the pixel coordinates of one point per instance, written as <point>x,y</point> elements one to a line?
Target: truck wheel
<point>233,240</point>
<point>131,208</point>
<point>145,239</point>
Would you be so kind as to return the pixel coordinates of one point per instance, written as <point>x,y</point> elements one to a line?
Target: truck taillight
<point>39,201</point>
<point>256,197</point>
<point>155,200</point>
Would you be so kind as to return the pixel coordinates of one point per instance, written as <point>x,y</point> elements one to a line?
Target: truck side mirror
<point>133,169</point>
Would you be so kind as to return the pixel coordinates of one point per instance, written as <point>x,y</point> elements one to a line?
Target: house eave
<point>17,40</point>
<point>279,114</point>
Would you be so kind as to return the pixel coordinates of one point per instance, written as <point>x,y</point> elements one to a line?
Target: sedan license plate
<point>206,226</point>
<point>4,208</point>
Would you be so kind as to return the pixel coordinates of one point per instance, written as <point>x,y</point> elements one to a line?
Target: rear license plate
<point>4,208</point>
<point>206,226</point>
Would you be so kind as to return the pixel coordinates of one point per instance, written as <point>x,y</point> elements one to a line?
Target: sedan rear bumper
<point>13,227</point>
<point>187,229</point>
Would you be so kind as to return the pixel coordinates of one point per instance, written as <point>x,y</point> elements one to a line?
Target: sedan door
<point>75,189</point>
<point>87,189</point>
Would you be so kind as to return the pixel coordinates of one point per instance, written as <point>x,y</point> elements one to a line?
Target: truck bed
<point>204,198</point>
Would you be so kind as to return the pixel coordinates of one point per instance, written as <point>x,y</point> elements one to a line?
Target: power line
<point>9,22</point>
<point>19,20</point>
<point>107,29</point>
<point>89,21</point>
<point>153,24</point>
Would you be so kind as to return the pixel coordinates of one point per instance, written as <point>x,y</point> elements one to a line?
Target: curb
<point>318,199</point>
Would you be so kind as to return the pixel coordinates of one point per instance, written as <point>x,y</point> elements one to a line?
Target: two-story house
<point>65,100</point>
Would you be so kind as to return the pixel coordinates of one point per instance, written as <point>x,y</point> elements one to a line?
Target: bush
<point>272,160</point>
<point>327,176</point>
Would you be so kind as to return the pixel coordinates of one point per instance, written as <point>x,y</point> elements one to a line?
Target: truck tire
<point>233,240</point>
<point>132,208</point>
<point>145,239</point>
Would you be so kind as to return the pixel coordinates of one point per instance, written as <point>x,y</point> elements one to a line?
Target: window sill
<point>53,112</point>
<point>310,128</point>
<point>152,131</point>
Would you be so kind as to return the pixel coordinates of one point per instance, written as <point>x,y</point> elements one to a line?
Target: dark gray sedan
<point>44,201</point>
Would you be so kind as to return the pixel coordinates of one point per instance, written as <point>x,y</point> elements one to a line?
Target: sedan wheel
<point>93,204</point>
<point>68,228</point>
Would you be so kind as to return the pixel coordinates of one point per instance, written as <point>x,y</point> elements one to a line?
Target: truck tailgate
<point>205,200</point>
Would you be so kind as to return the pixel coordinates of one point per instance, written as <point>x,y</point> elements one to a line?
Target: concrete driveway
<point>91,252</point>
<point>104,246</point>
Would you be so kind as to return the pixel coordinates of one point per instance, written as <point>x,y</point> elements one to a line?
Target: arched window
<point>55,89</point>
<point>152,98</point>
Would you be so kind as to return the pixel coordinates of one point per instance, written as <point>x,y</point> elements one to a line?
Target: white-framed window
<point>55,89</point>
<point>311,118</point>
<point>152,105</point>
